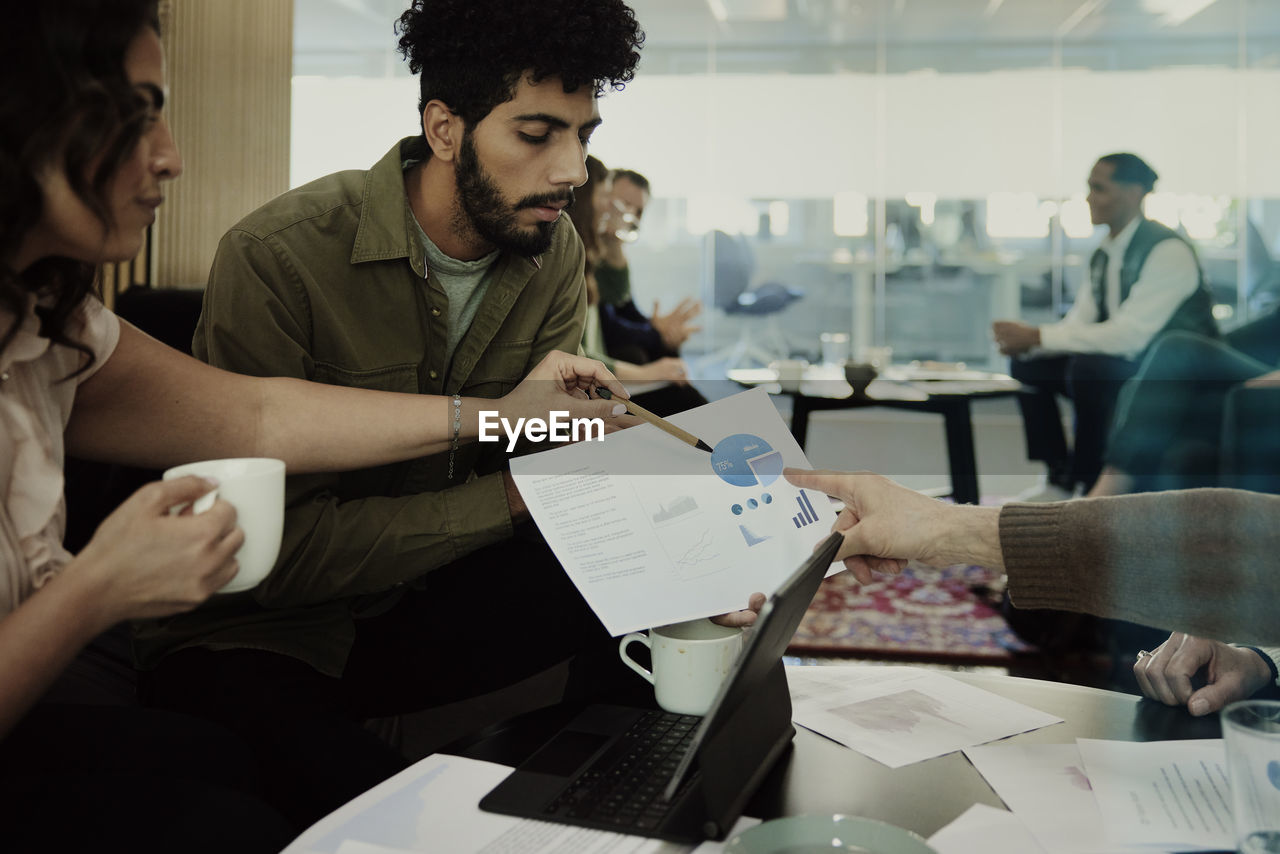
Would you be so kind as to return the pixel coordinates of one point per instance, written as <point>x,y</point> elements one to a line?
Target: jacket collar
<point>387,229</point>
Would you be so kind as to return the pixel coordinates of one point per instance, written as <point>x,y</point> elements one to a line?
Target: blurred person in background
<point>590,215</point>
<point>1144,280</point>
<point>628,334</point>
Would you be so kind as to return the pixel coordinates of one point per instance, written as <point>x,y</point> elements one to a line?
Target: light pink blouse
<point>34,410</point>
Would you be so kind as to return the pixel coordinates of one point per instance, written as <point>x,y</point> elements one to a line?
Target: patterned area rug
<point>924,614</point>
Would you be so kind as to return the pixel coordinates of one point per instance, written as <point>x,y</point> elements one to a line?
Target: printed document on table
<point>1046,787</point>
<point>985,830</point>
<point>900,715</point>
<point>1169,793</point>
<point>432,806</point>
<point>654,531</point>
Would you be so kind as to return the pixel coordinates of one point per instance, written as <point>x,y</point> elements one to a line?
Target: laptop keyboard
<point>623,788</point>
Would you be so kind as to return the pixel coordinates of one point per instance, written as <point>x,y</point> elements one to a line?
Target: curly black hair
<point>65,101</point>
<point>471,54</point>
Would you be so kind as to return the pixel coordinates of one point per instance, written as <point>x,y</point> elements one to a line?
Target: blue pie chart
<point>746,460</point>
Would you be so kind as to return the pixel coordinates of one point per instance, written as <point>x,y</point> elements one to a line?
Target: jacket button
<point>433,375</point>
<point>435,312</point>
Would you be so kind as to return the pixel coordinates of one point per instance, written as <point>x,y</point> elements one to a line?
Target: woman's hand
<point>667,369</point>
<point>675,328</point>
<point>148,563</point>
<point>562,383</point>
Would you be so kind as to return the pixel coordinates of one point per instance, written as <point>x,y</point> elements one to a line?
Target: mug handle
<point>204,502</point>
<point>200,505</point>
<point>635,637</point>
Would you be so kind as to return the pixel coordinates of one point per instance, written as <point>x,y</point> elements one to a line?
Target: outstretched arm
<point>1202,559</point>
<point>152,406</point>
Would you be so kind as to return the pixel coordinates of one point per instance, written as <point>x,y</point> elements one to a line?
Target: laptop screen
<point>768,640</point>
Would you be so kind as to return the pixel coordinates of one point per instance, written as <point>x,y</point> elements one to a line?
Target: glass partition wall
<point>902,171</point>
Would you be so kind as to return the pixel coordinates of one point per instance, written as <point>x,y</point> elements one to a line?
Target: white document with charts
<point>654,531</point>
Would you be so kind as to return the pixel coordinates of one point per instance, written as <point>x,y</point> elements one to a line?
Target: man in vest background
<point>1144,279</point>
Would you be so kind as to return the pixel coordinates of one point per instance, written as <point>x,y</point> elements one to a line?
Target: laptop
<point>675,777</point>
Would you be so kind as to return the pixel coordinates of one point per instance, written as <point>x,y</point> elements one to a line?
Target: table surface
<point>820,777</point>
<point>898,384</point>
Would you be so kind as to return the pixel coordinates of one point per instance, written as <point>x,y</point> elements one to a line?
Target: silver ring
<point>1142,653</point>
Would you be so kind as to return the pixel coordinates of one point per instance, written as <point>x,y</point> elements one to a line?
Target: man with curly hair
<point>443,269</point>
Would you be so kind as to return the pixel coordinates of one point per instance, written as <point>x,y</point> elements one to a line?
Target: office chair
<point>761,339</point>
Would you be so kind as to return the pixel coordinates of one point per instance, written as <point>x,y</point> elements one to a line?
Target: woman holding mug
<point>85,152</point>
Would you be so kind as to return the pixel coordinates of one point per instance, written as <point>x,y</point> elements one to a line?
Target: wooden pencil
<point>657,421</point>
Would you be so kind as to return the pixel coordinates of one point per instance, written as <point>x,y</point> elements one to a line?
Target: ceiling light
<point>1084,10</point>
<point>1175,12</point>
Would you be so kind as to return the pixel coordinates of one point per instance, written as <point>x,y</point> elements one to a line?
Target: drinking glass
<point>1251,733</point>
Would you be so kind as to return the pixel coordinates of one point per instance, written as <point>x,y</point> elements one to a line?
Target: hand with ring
<point>1230,673</point>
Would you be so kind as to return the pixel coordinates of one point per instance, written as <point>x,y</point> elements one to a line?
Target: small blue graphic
<point>1273,772</point>
<point>746,460</point>
<point>807,515</point>
<point>752,539</point>
<point>737,509</point>
<point>752,504</point>
<point>767,498</point>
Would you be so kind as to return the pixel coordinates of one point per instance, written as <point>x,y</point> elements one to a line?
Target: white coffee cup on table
<point>255,487</point>
<point>690,661</point>
<point>790,373</point>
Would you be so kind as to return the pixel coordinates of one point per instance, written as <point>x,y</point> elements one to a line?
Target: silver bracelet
<point>457,426</point>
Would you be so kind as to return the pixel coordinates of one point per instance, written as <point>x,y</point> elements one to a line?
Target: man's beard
<point>482,210</point>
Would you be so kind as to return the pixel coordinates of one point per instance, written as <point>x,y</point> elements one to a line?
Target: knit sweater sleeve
<point>1204,561</point>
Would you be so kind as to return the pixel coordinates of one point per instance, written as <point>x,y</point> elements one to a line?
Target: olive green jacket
<point>328,283</point>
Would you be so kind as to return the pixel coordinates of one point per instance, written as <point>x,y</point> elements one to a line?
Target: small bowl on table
<point>859,375</point>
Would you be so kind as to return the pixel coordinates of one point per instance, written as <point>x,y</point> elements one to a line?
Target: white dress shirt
<point>1169,275</point>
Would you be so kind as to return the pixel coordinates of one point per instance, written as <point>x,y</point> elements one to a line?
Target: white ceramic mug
<point>255,487</point>
<point>690,660</point>
<point>790,372</point>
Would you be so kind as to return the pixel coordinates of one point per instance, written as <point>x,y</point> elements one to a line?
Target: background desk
<point>824,388</point>
<point>821,777</point>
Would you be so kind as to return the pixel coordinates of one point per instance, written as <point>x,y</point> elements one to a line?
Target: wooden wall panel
<point>230,64</point>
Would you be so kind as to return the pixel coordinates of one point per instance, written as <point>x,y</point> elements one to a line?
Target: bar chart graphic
<point>807,515</point>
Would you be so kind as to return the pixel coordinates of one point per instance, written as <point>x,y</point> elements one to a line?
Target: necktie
<point>1098,273</point>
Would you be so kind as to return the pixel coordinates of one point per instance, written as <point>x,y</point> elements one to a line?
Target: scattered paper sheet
<point>985,830</point>
<point>655,531</point>
<point>432,806</point>
<point>1162,792</point>
<point>1046,787</point>
<point>900,715</point>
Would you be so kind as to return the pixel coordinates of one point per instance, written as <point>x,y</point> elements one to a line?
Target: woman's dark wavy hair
<point>583,211</point>
<point>471,54</point>
<point>65,102</point>
<point>583,214</point>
